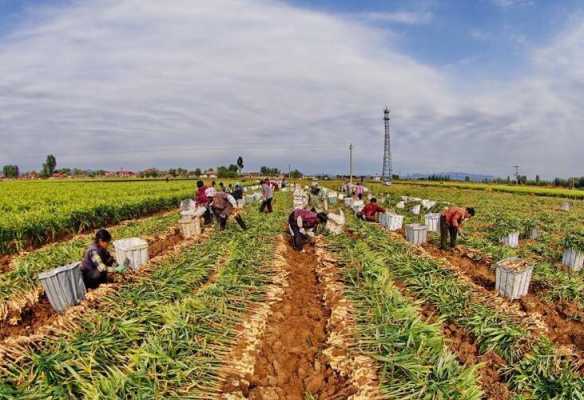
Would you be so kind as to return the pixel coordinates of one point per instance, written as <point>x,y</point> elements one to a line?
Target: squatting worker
<point>223,206</point>
<point>369,212</point>
<point>97,261</point>
<point>451,222</point>
<point>302,224</point>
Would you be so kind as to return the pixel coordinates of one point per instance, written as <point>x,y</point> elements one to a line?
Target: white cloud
<point>512,3</point>
<point>137,83</point>
<point>400,17</point>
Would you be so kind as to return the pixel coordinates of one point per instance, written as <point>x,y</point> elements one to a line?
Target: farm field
<point>489,187</point>
<point>361,315</point>
<point>34,213</point>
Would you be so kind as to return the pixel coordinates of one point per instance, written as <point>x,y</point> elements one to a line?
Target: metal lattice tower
<point>387,168</point>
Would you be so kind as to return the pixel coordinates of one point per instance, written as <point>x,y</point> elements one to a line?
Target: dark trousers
<point>445,231</point>
<point>208,216</point>
<point>93,278</point>
<point>222,220</point>
<point>298,239</point>
<point>266,204</point>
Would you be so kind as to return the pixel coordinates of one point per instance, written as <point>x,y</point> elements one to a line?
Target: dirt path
<point>563,320</point>
<point>290,363</point>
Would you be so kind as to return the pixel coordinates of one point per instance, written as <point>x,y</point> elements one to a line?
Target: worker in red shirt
<point>202,201</point>
<point>302,224</point>
<point>369,212</point>
<point>451,222</point>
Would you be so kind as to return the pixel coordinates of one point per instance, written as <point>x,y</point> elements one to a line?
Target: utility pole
<point>516,173</point>
<point>351,163</point>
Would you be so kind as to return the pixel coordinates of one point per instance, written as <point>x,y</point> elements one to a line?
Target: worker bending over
<point>369,212</point>
<point>223,206</point>
<point>302,224</point>
<point>97,261</point>
<point>451,222</point>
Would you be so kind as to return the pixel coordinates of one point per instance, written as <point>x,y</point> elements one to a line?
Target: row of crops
<point>34,213</point>
<point>19,286</point>
<point>162,336</point>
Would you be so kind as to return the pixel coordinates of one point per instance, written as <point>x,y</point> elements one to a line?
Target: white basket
<point>416,209</point>
<point>332,198</point>
<point>417,233</point>
<point>401,205</point>
<point>512,284</point>
<point>566,206</point>
<point>358,206</point>
<point>341,197</point>
<point>428,204</point>
<point>534,234</point>
<point>348,201</point>
<point>132,252</point>
<point>63,286</point>
<point>392,222</point>
<point>511,240</point>
<point>433,222</point>
<point>573,259</point>
<point>190,227</point>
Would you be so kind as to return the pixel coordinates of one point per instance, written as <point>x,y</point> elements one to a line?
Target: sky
<point>473,85</point>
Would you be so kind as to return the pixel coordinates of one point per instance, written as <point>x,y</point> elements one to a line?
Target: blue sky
<point>142,83</point>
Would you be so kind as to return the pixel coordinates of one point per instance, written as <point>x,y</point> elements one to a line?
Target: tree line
<point>49,169</point>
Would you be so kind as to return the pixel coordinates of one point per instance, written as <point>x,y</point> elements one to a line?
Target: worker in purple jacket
<point>302,224</point>
<point>97,261</point>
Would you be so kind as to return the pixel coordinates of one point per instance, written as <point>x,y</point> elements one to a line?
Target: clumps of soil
<point>159,245</point>
<point>290,363</point>
<point>5,263</point>
<point>30,320</point>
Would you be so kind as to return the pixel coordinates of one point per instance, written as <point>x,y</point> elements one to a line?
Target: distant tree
<point>172,172</point>
<point>198,172</point>
<point>227,172</point>
<point>240,164</point>
<point>467,178</point>
<point>64,171</point>
<point>266,171</point>
<point>49,166</point>
<point>295,174</point>
<point>537,179</point>
<point>11,171</point>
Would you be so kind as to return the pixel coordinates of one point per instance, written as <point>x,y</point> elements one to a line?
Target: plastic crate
<point>63,286</point>
<point>511,240</point>
<point>416,209</point>
<point>511,283</point>
<point>392,222</point>
<point>573,259</point>
<point>417,234</point>
<point>433,222</point>
<point>190,227</point>
<point>132,252</point>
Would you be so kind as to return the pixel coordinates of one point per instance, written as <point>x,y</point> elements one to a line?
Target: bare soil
<point>290,363</point>
<point>564,320</point>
